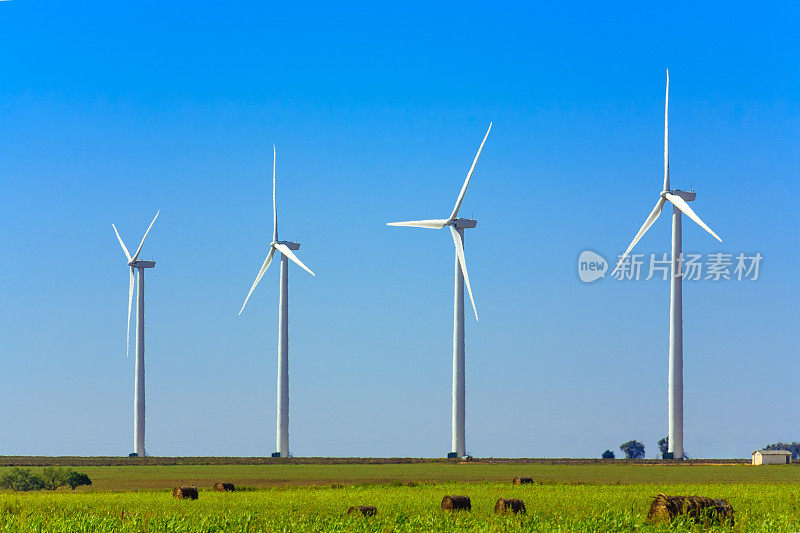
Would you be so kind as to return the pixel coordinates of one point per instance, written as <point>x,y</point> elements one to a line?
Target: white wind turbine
<point>285,248</point>
<point>678,199</point>
<point>138,391</point>
<point>457,226</point>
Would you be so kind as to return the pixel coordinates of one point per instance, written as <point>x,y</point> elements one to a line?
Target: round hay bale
<point>185,493</point>
<point>514,506</point>
<point>456,503</point>
<point>664,509</point>
<point>221,486</point>
<point>365,510</point>
<point>522,480</point>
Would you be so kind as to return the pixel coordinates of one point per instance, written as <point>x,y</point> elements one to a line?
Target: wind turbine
<point>457,227</point>
<point>138,390</point>
<point>678,199</point>
<point>285,248</point>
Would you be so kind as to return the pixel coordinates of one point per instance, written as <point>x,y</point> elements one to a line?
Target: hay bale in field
<point>221,486</point>
<point>456,503</point>
<point>515,506</point>
<point>185,493</point>
<point>365,510</point>
<point>699,508</point>
<point>522,480</point>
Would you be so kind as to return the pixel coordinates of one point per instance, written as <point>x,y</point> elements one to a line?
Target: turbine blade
<point>681,204</point>
<point>666,137</point>
<point>130,302</point>
<point>463,262</point>
<point>274,200</point>
<point>646,226</point>
<point>432,224</point>
<point>469,176</point>
<point>282,248</point>
<point>124,248</point>
<point>264,267</point>
<point>138,250</point>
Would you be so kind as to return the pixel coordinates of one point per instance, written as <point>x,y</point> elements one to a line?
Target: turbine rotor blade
<point>463,262</point>
<point>469,176</point>
<point>264,267</point>
<point>431,224</point>
<point>666,137</point>
<point>681,204</point>
<point>282,248</point>
<point>646,226</point>
<point>138,250</point>
<point>130,302</point>
<point>274,200</point>
<point>124,248</point>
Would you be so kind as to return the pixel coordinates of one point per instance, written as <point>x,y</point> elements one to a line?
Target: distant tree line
<point>633,449</point>
<point>51,478</point>
<point>794,447</point>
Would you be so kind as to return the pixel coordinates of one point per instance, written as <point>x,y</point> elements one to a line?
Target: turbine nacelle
<point>463,223</point>
<point>688,196</point>
<point>142,264</point>
<point>289,244</point>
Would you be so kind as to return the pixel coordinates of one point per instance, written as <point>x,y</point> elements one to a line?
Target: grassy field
<point>315,497</point>
<point>162,477</point>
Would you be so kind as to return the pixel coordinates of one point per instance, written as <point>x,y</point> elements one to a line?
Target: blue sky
<point>111,111</point>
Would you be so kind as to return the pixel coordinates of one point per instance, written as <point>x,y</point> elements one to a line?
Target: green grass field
<point>315,497</point>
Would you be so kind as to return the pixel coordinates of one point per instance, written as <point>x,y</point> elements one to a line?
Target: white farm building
<point>772,457</point>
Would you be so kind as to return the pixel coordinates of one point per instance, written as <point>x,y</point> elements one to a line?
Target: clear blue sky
<point>110,111</point>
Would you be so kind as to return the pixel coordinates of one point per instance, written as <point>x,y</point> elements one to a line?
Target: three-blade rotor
<point>667,194</point>
<point>451,222</point>
<point>275,245</point>
<point>131,262</point>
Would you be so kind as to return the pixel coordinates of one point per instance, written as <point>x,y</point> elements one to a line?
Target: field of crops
<point>263,476</point>
<point>316,498</point>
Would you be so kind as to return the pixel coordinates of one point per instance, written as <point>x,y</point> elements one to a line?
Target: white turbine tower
<point>678,199</point>
<point>138,391</point>
<point>457,226</point>
<point>285,248</point>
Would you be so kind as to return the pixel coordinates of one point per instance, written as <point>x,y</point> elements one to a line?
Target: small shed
<point>772,457</point>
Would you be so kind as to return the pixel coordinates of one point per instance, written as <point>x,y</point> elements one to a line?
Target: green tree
<point>608,454</point>
<point>21,479</point>
<point>663,445</point>
<point>55,477</point>
<point>633,449</point>
<point>76,479</point>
